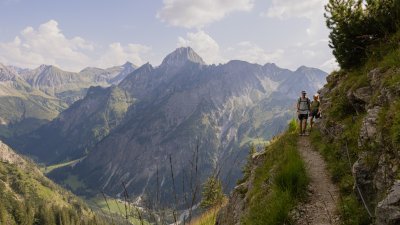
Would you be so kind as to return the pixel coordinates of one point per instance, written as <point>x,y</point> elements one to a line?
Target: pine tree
<point>356,24</point>
<point>348,38</point>
<point>212,193</point>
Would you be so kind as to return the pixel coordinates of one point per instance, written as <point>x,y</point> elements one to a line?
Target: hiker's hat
<point>303,92</point>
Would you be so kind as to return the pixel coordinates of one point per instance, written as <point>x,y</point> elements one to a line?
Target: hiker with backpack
<point>315,112</point>
<point>303,109</point>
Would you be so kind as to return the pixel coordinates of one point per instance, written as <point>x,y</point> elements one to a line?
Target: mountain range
<point>31,98</point>
<point>172,124</point>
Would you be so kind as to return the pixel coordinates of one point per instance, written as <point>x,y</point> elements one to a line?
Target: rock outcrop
<point>388,210</point>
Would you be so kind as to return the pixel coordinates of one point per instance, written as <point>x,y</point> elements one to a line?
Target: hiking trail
<point>320,207</point>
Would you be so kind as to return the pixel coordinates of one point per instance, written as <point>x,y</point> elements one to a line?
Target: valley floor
<point>321,206</point>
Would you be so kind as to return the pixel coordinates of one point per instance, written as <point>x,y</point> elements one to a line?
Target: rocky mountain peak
<point>271,65</point>
<point>6,73</point>
<point>305,69</point>
<point>41,69</point>
<point>182,55</point>
<point>17,69</point>
<point>44,67</point>
<point>128,64</point>
<point>89,68</point>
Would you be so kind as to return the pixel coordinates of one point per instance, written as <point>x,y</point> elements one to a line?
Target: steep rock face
<point>373,103</point>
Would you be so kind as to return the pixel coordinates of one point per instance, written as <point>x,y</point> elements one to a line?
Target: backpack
<point>304,104</point>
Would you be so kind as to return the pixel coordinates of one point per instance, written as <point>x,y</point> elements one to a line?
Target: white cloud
<point>250,52</point>
<point>211,51</point>
<point>284,9</point>
<point>312,10</point>
<point>198,13</point>
<point>330,65</point>
<point>48,45</point>
<point>117,54</point>
<point>309,53</point>
<point>203,44</point>
<point>312,48</point>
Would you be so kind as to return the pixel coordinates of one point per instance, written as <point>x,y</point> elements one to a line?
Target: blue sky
<point>74,34</point>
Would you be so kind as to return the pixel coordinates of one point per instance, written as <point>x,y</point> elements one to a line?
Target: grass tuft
<point>210,216</point>
<point>279,183</point>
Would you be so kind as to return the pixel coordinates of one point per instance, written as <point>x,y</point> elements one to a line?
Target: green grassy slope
<point>274,182</point>
<point>279,183</point>
<point>27,197</point>
<point>24,108</point>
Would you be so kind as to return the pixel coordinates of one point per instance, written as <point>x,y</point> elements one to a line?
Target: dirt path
<point>321,206</point>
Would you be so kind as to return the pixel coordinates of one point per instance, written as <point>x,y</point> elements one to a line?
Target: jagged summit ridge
<point>182,55</point>
<point>6,73</point>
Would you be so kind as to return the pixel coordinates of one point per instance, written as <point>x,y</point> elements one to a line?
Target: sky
<point>103,33</point>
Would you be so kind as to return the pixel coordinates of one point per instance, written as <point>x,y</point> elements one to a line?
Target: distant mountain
<point>181,56</point>
<point>21,103</point>
<point>179,110</point>
<point>310,79</point>
<point>123,71</point>
<point>28,197</point>
<point>80,127</point>
<point>70,86</point>
<point>112,75</point>
<point>17,69</point>
<point>30,98</point>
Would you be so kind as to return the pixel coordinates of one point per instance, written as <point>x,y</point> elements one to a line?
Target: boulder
<point>388,210</point>
<point>360,98</point>
<point>363,94</point>
<point>362,172</point>
<point>374,77</point>
<point>368,128</point>
<point>383,174</point>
